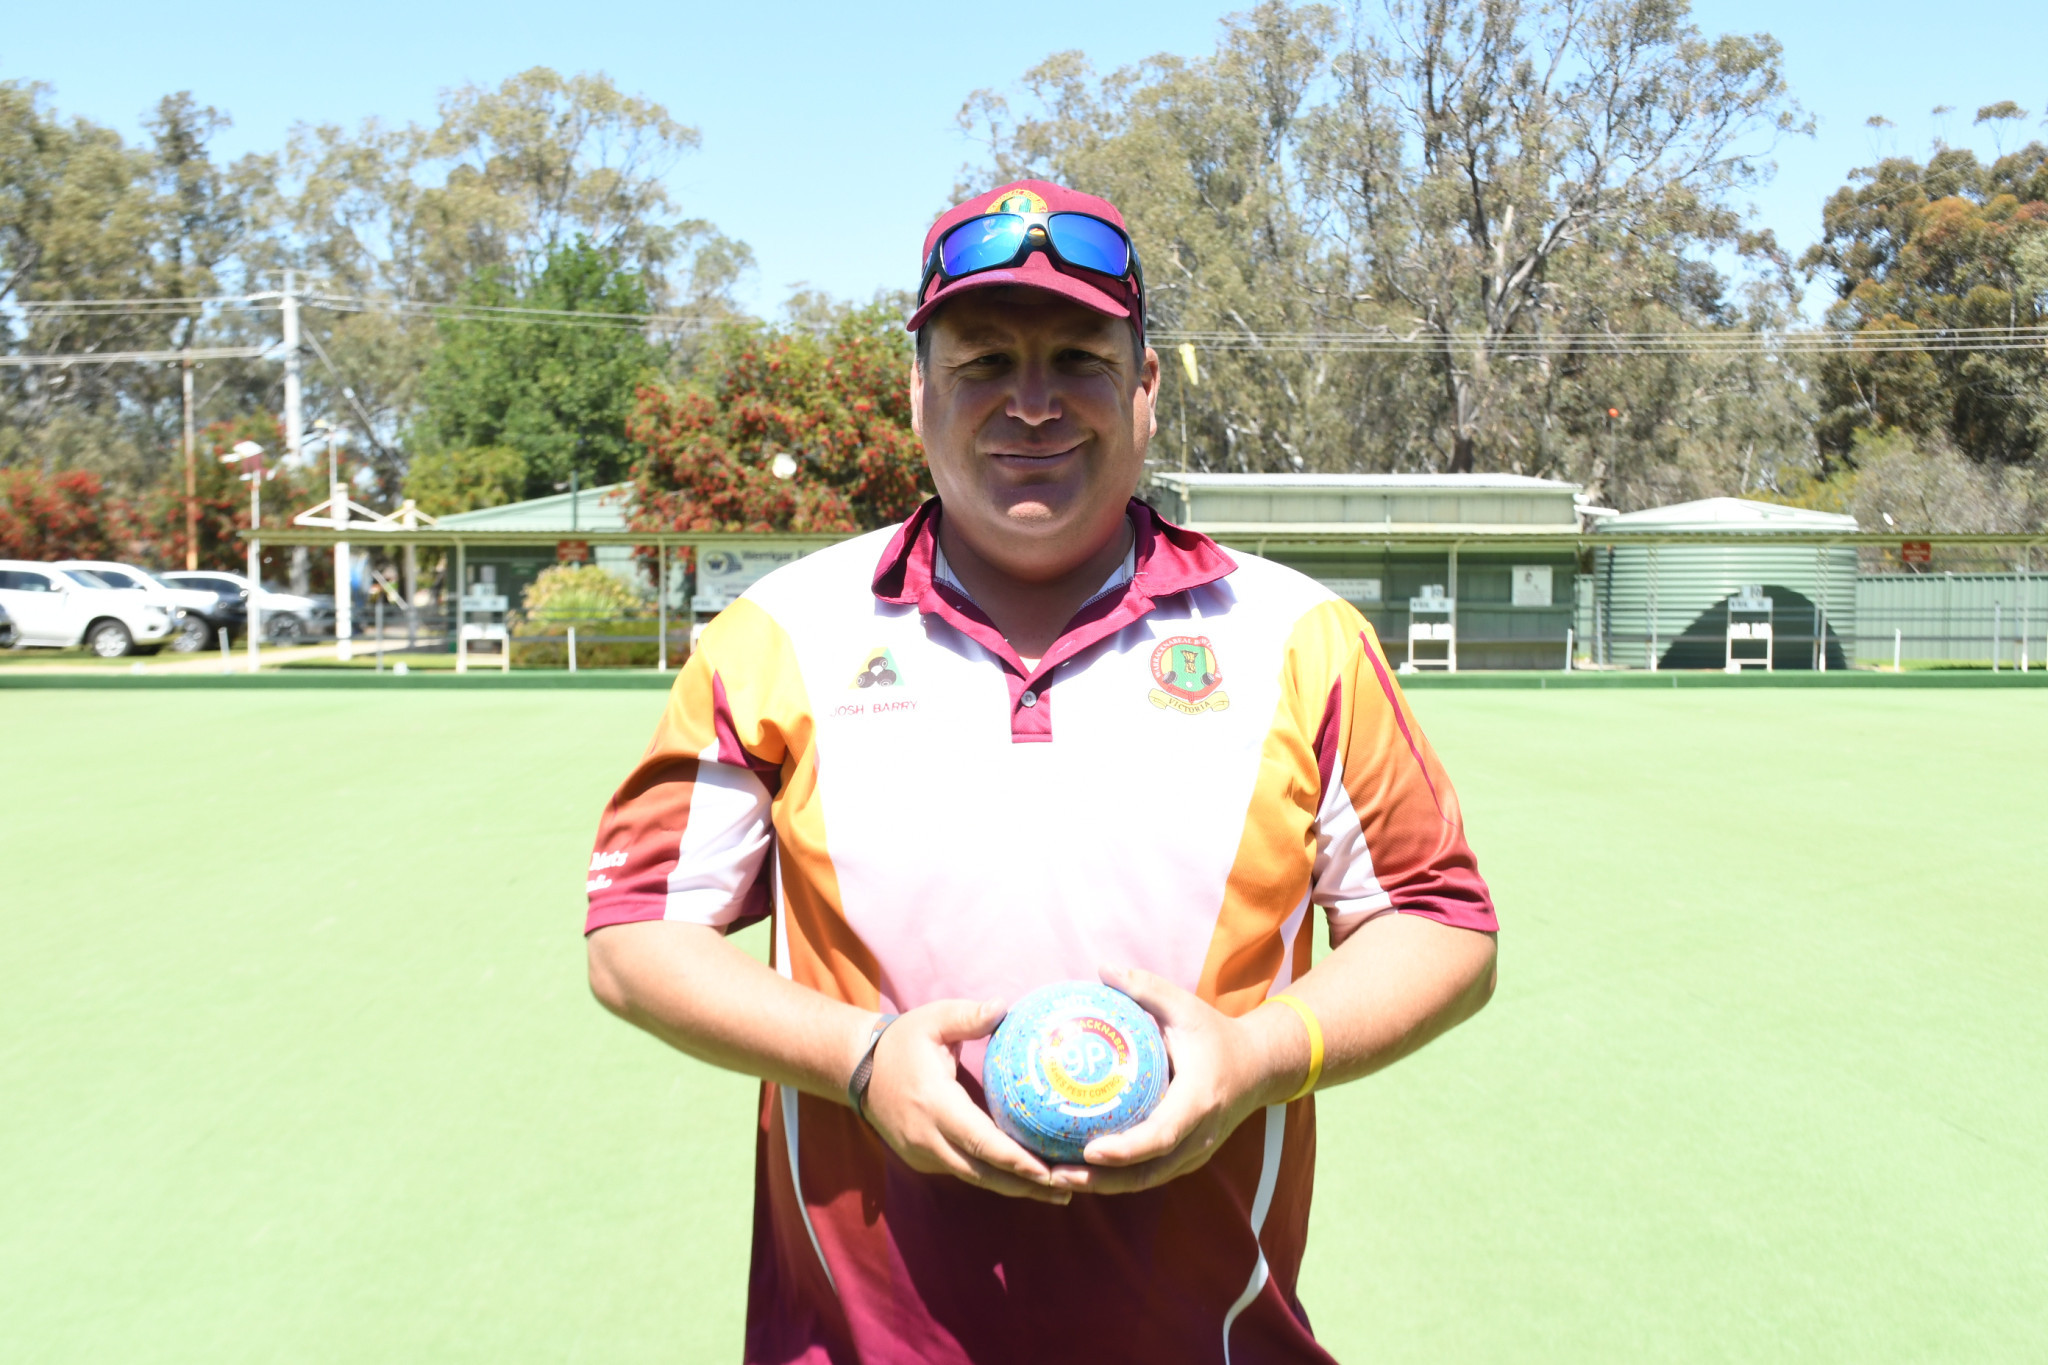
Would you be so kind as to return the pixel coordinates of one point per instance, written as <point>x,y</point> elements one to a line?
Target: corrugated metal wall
<point>1951,618</point>
<point>1649,601</point>
<point>1368,506</point>
<point>1493,631</point>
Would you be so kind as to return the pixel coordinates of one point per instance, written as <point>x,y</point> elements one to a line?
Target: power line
<point>478,312</point>
<point>1548,345</point>
<point>22,362</point>
<point>1377,341</point>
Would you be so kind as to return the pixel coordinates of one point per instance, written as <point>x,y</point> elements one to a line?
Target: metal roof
<point>1738,515</point>
<point>594,509</point>
<point>1407,482</point>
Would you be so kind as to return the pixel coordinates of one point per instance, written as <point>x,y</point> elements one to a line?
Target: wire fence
<point>1881,620</point>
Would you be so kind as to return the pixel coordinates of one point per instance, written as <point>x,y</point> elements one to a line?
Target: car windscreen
<point>18,581</point>
<point>87,578</point>
<point>113,578</point>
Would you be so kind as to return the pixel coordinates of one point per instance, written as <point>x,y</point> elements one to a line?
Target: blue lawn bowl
<point>1070,1062</point>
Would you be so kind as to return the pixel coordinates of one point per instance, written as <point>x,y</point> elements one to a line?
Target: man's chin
<point>1038,516</point>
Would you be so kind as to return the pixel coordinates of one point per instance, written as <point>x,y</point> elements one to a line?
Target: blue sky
<point>850,109</point>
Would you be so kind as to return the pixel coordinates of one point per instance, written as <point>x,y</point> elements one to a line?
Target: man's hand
<point>1391,986</point>
<point>916,1103</point>
<point>1224,1070</point>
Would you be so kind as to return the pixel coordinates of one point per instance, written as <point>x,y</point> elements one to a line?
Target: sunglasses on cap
<point>997,240</point>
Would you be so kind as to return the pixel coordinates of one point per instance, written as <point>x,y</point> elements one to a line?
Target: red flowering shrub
<point>837,405</point>
<point>59,516</point>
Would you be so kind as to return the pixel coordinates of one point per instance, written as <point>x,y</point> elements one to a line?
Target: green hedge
<point>599,644</point>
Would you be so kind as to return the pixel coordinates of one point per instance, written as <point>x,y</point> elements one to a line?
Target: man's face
<point>1035,413</point>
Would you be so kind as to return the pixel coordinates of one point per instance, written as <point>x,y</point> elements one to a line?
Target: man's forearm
<point>1396,983</point>
<point>686,985</point>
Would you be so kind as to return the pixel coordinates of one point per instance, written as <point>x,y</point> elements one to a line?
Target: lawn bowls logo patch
<point>878,670</point>
<point>1188,675</point>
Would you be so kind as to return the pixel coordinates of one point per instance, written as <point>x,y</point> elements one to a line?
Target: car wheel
<point>109,639</point>
<point>193,635</point>
<point>285,630</point>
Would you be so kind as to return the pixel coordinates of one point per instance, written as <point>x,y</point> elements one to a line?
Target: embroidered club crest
<point>879,671</point>
<point>1016,201</point>
<point>1188,675</point>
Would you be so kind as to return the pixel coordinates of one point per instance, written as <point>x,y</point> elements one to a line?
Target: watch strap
<point>864,1069</point>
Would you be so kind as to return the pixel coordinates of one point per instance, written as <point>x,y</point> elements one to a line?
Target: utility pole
<point>191,472</point>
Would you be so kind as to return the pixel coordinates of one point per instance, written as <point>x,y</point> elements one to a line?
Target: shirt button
<point>1029,700</point>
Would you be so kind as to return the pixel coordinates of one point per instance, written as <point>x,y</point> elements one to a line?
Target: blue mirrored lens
<point>981,243</point>
<point>1090,243</point>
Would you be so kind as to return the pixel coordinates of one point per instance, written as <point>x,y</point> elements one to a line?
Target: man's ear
<point>917,399</point>
<point>1148,381</point>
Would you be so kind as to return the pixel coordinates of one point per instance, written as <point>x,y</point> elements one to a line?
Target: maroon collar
<point>1168,559</point>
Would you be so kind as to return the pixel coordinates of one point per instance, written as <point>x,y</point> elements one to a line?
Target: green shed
<point>508,570</point>
<point>1493,548</point>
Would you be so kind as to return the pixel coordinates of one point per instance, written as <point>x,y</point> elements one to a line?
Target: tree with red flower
<point>798,431</point>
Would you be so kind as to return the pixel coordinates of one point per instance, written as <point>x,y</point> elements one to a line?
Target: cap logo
<point>1016,201</point>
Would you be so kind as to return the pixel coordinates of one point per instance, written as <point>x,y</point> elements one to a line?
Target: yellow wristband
<point>1315,1042</point>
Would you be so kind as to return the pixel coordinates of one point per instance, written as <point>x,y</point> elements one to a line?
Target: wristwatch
<point>864,1069</point>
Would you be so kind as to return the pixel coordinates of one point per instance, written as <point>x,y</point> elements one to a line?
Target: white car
<point>188,607</point>
<point>55,607</point>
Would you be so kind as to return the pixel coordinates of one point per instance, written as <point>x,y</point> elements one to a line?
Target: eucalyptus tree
<point>1400,240</point>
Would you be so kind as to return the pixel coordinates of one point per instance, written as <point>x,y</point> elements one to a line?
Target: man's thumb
<point>960,1020</point>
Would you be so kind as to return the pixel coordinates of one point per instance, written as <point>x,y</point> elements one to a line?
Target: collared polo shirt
<point>1213,751</point>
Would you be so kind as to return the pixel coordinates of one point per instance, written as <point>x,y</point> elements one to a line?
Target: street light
<point>250,452</point>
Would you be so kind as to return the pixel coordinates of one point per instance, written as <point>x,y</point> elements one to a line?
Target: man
<point>1035,733</point>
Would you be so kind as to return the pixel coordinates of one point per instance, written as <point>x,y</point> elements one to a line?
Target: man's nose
<point>1034,398</point>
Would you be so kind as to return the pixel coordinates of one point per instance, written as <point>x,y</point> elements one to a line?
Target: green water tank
<point>1665,605</point>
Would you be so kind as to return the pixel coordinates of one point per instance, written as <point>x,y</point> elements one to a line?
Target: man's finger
<point>1129,1179</point>
<point>991,1161</point>
<point>998,1181</point>
<point>963,1124</point>
<point>960,1020</point>
<point>1163,999</point>
<point>1159,1133</point>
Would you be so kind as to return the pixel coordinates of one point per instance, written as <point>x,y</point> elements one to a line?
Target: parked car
<point>9,636</point>
<point>288,618</point>
<point>64,608</point>
<point>227,606</point>
<point>190,608</point>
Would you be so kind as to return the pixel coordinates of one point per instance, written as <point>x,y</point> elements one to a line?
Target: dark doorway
<point>1794,619</point>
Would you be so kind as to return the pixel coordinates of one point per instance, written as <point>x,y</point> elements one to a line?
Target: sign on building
<point>722,575</point>
<point>1532,585</point>
<point>1364,591</point>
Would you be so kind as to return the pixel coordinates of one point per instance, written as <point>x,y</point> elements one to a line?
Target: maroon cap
<point>1118,298</point>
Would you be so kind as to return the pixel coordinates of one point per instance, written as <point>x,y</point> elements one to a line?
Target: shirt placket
<point>1030,689</point>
